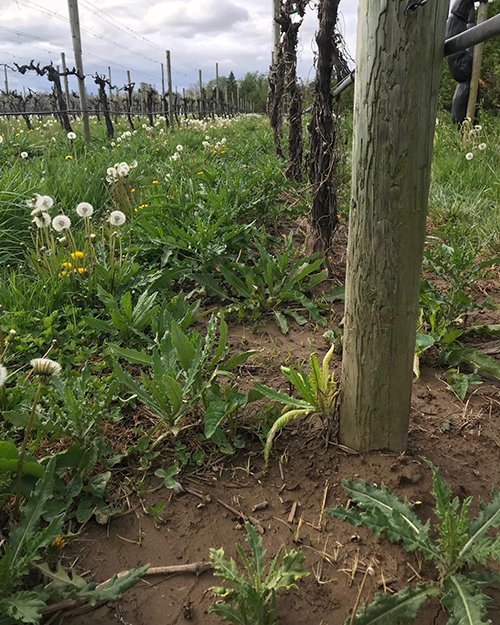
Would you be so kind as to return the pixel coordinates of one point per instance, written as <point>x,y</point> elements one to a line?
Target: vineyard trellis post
<point>217,92</point>
<point>77,50</point>
<point>169,86</point>
<point>398,68</point>
<point>201,92</point>
<point>482,16</point>
<point>65,80</point>
<point>6,79</point>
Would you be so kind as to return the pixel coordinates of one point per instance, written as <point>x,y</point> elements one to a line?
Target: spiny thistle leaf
<point>400,608</point>
<point>464,601</point>
<point>384,512</point>
<point>225,567</point>
<point>23,606</point>
<point>488,518</point>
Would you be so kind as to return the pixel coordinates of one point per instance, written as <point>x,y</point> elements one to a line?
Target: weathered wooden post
<point>6,78</point>
<point>201,92</point>
<point>398,68</point>
<point>65,79</point>
<point>482,16</point>
<point>77,50</point>
<point>169,86</point>
<point>217,94</point>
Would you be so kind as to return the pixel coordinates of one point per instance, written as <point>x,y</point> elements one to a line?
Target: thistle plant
<point>44,369</point>
<point>253,601</point>
<point>460,544</point>
<point>317,389</point>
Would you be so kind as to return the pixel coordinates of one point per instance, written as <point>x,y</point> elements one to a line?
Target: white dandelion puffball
<point>113,144</point>
<point>61,222</point>
<point>478,127</point>
<point>469,156</point>
<point>482,146</point>
<point>84,209</point>
<point>179,148</point>
<point>3,376</point>
<point>42,220</point>
<point>117,218</point>
<point>175,156</point>
<point>71,136</point>
<point>24,154</point>
<point>1,138</point>
<point>45,368</point>
<point>133,164</point>
<point>44,202</point>
<point>122,169</point>
<point>223,141</point>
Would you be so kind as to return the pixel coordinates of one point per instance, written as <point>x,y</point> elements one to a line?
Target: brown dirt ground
<point>305,476</point>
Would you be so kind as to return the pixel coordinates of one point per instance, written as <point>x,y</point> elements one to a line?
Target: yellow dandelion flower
<point>118,145</point>
<point>80,270</point>
<point>132,190</point>
<point>200,173</point>
<point>58,542</point>
<point>68,265</point>
<point>76,254</point>
<point>69,157</point>
<point>157,149</point>
<point>155,182</point>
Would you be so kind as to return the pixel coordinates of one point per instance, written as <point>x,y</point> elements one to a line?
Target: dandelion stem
<point>23,448</point>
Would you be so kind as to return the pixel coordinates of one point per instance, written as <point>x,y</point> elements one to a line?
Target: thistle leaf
<point>464,601</point>
<point>488,518</point>
<point>384,512</point>
<point>400,608</point>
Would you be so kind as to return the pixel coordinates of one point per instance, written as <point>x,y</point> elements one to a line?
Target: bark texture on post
<point>398,70</point>
<point>102,83</point>
<point>322,132</point>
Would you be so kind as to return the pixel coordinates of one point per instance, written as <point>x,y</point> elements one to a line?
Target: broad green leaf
<point>481,362</point>
<point>238,359</point>
<point>173,391</point>
<point>398,609</point>
<point>464,601</point>
<point>281,321</point>
<point>214,414</point>
<point>299,319</point>
<point>97,324</point>
<point>423,342</point>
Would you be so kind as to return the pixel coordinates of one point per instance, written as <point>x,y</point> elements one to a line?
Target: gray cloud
<point>235,33</point>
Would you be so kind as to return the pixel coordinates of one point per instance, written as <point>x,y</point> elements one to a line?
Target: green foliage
<point>253,601</point>
<point>317,389</point>
<point>184,372</point>
<point>460,543</point>
<point>272,284</point>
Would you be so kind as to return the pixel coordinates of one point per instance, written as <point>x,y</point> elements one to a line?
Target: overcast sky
<point>133,34</point>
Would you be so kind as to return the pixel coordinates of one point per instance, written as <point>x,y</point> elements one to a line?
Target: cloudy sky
<point>134,34</point>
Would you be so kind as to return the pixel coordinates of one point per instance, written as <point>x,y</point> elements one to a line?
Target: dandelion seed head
<point>482,146</point>
<point>122,169</point>
<point>71,136</point>
<point>61,222</point>
<point>3,376</point>
<point>84,209</point>
<point>469,156</point>
<point>117,218</point>
<point>24,154</point>
<point>44,202</point>
<point>179,148</point>
<point>45,368</point>
<point>42,220</point>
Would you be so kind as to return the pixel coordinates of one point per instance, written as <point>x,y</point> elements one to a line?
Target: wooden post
<point>482,16</point>
<point>238,103</point>
<point>216,88</point>
<point>77,50</point>
<point>6,79</point>
<point>398,70</point>
<point>110,82</point>
<point>65,79</point>
<point>201,93</point>
<point>169,85</point>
